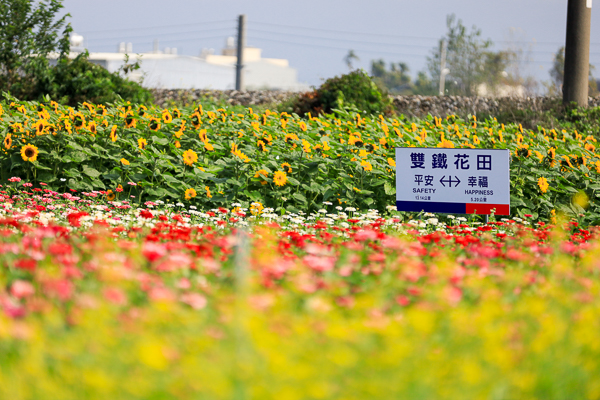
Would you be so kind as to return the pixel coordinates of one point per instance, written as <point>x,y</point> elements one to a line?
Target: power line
<point>336,39</point>
<point>159,27</point>
<point>366,41</point>
<point>173,40</point>
<point>388,35</point>
<point>333,47</point>
<point>159,35</point>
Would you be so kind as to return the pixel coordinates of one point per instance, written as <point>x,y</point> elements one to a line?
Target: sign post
<point>454,181</point>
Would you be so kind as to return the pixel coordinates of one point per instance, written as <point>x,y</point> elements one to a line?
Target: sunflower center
<point>29,152</point>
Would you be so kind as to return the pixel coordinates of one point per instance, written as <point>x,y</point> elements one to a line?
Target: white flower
<point>432,221</point>
<point>351,209</point>
<point>450,216</point>
<point>179,204</point>
<point>62,179</point>
<point>429,215</point>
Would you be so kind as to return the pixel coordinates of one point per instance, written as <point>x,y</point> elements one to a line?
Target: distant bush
<point>354,90</point>
<point>78,80</point>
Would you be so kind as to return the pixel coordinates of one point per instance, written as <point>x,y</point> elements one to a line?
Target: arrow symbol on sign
<point>449,181</point>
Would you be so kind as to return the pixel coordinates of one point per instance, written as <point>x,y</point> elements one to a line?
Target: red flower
<point>74,218</point>
<point>27,264</point>
<point>146,214</point>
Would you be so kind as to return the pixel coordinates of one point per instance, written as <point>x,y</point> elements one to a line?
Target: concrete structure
<point>169,70</point>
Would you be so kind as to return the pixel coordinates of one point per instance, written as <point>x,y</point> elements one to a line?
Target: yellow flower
<point>113,133</point>
<point>366,165</point>
<point>302,126</point>
<point>29,153</point>
<point>124,161</point>
<point>543,184</point>
<point>154,124</point>
<point>8,142</point>
<point>177,144</point>
<point>110,195</point>
<point>208,192</point>
<point>208,146</point>
<point>130,122</point>
<point>190,157</point>
<point>142,143</point>
<point>288,168</point>
<point>280,178</point>
<point>190,193</point>
<point>167,117</point>
<point>262,172</point>
<point>256,208</point>
<point>392,162</point>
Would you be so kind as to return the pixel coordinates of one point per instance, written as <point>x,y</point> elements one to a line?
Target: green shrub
<point>355,90</point>
<point>75,81</point>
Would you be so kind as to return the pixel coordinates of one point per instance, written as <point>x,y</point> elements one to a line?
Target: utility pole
<point>577,52</point>
<point>241,43</point>
<point>443,70</point>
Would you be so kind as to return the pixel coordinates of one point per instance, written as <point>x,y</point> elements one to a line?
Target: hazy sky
<point>315,35</point>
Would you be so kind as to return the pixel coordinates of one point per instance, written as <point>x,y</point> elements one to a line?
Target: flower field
<point>112,300</point>
<point>227,254</point>
<point>212,158</point>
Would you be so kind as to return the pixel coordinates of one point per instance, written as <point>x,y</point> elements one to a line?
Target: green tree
<point>396,80</point>
<point>350,58</point>
<point>557,75</point>
<point>467,57</point>
<point>29,31</point>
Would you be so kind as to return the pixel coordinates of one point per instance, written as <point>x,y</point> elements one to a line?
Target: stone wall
<point>417,106</point>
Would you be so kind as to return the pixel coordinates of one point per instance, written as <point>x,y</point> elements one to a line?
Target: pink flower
<point>364,235</point>
<point>115,296</point>
<point>15,179</point>
<point>319,264</point>
<point>21,289</point>
<point>153,251</point>
<point>194,300</point>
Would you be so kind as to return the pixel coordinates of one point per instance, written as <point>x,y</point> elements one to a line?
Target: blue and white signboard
<point>455,181</point>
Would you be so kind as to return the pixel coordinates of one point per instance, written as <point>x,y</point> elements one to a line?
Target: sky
<point>316,35</point>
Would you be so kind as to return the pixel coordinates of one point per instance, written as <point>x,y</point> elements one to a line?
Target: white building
<point>169,70</point>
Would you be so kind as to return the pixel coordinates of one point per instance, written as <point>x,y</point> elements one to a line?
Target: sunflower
<point>262,172</point>
<point>142,143</point>
<point>196,120</point>
<point>287,167</point>
<point>52,130</point>
<point>154,124</point>
<point>130,122</point>
<point>166,116</point>
<point>177,144</point>
<point>208,146</point>
<point>190,157</point>
<point>208,192</point>
<point>39,126</point>
<point>113,133</point>
<point>543,184</point>
<point>142,110</point>
<point>302,126</point>
<point>92,127</point>
<point>124,161</point>
<point>176,113</point>
<point>8,142</point>
<point>366,165</point>
<point>29,152</point>
<point>256,208</point>
<point>78,120</point>
<point>190,193</point>
<point>110,196</point>
<point>280,178</point>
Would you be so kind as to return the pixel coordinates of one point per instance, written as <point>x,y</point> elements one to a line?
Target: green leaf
<point>91,172</point>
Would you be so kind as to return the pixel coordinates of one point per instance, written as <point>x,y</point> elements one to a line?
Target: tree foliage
<point>29,31</point>
<point>468,57</point>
